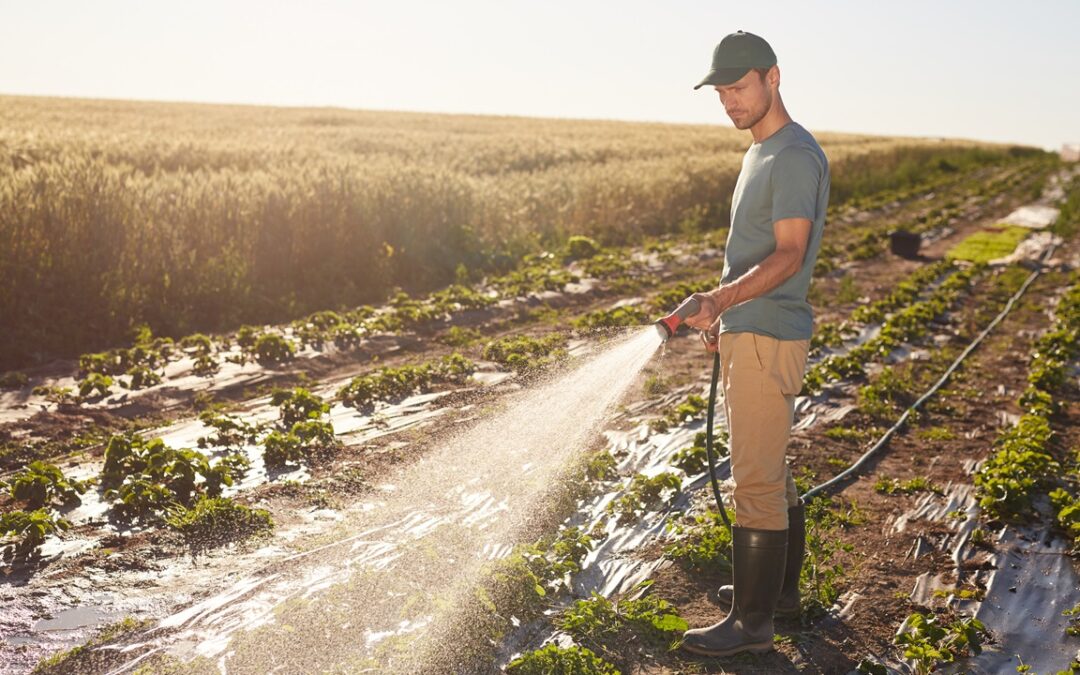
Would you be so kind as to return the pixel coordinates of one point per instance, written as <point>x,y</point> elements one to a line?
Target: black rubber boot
<point>788,605</point>
<point>758,561</point>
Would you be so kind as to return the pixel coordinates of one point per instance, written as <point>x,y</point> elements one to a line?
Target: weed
<point>214,521</point>
<point>935,434</point>
<point>553,659</point>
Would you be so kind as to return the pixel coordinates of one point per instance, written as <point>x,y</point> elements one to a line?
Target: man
<point>759,320</point>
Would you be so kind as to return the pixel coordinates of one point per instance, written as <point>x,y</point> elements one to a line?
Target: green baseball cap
<point>736,54</point>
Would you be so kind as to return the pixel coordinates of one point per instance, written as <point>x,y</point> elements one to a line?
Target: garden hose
<point>709,439</point>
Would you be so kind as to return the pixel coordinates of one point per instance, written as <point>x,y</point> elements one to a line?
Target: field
<point>255,355</point>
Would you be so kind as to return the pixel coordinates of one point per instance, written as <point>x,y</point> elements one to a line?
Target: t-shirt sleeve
<point>796,178</point>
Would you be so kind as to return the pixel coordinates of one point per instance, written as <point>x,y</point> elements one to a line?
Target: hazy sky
<point>993,70</point>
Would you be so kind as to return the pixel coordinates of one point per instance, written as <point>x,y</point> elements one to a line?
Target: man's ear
<point>773,76</point>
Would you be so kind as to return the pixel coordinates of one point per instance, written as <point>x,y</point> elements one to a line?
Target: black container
<point>905,244</point>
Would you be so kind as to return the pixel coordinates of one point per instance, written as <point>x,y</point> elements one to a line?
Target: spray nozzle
<point>670,323</point>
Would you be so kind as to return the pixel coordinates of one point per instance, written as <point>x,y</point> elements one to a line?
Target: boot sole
<point>756,648</point>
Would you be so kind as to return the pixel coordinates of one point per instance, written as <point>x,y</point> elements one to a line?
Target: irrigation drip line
<point>884,440</point>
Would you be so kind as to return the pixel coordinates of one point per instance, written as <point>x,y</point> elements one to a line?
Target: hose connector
<point>667,326</point>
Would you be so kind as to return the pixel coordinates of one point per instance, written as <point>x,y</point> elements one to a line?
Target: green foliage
<point>1068,513</point>
<point>95,385</point>
<point>230,431</point>
<point>525,354</point>
<point>22,533</point>
<point>694,459</point>
<point>821,574</point>
<point>214,521</point>
<point>458,337</point>
<point>13,380</point>
<point>40,484</point>
<point>579,247</point>
<point>930,643</point>
<point>148,478</point>
<point>606,627</point>
<point>555,660</point>
<point>645,494</point>
<point>689,409</point>
<point>626,315</point>
<point>298,405</point>
<point>601,466</point>
<point>1007,480</point>
<point>702,544</point>
<point>891,486</point>
<point>302,441</point>
<point>522,583</point>
<point>935,434</point>
<point>142,377</point>
<point>986,246</point>
<point>395,383</point>
<point>273,348</point>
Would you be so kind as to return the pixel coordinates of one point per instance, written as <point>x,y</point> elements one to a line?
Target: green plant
<point>298,405</point>
<point>626,315</point>
<point>13,380</point>
<point>214,521</point>
<point>40,483</point>
<point>395,383</point>
<point>70,661</point>
<point>579,247</point>
<point>555,660</point>
<point>645,493</point>
<point>928,642</point>
<point>23,532</point>
<point>605,627</point>
<point>694,459</point>
<point>145,478</point>
<point>703,544</point>
<point>891,486</point>
<point>525,354</point>
<point>1007,480</point>
<point>273,348</point>
<point>95,385</point>
<point>1068,513</point>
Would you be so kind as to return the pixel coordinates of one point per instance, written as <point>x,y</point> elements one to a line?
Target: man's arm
<point>792,239</point>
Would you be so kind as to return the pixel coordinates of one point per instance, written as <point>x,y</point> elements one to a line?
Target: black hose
<point>709,440</point>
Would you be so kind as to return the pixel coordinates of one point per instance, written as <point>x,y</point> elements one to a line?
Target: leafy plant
<point>702,544</point>
<point>644,494</point>
<point>555,660</point>
<point>525,354</point>
<point>606,627</point>
<point>23,532</point>
<point>891,486</point>
<point>929,643</point>
<point>40,483</point>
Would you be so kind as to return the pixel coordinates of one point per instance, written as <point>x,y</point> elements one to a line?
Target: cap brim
<point>723,76</point>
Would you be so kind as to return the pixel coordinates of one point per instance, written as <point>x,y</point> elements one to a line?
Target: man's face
<point>746,100</point>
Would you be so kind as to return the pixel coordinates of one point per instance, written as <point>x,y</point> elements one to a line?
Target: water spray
<point>666,327</point>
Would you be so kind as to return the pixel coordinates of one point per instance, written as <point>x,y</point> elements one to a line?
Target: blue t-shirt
<point>784,176</point>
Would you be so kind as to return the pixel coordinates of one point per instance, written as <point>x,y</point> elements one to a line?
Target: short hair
<point>762,72</point>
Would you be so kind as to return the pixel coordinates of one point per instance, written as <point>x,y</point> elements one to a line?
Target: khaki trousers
<point>761,376</point>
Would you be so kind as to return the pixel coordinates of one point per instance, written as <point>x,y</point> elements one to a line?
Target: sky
<point>988,70</point>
